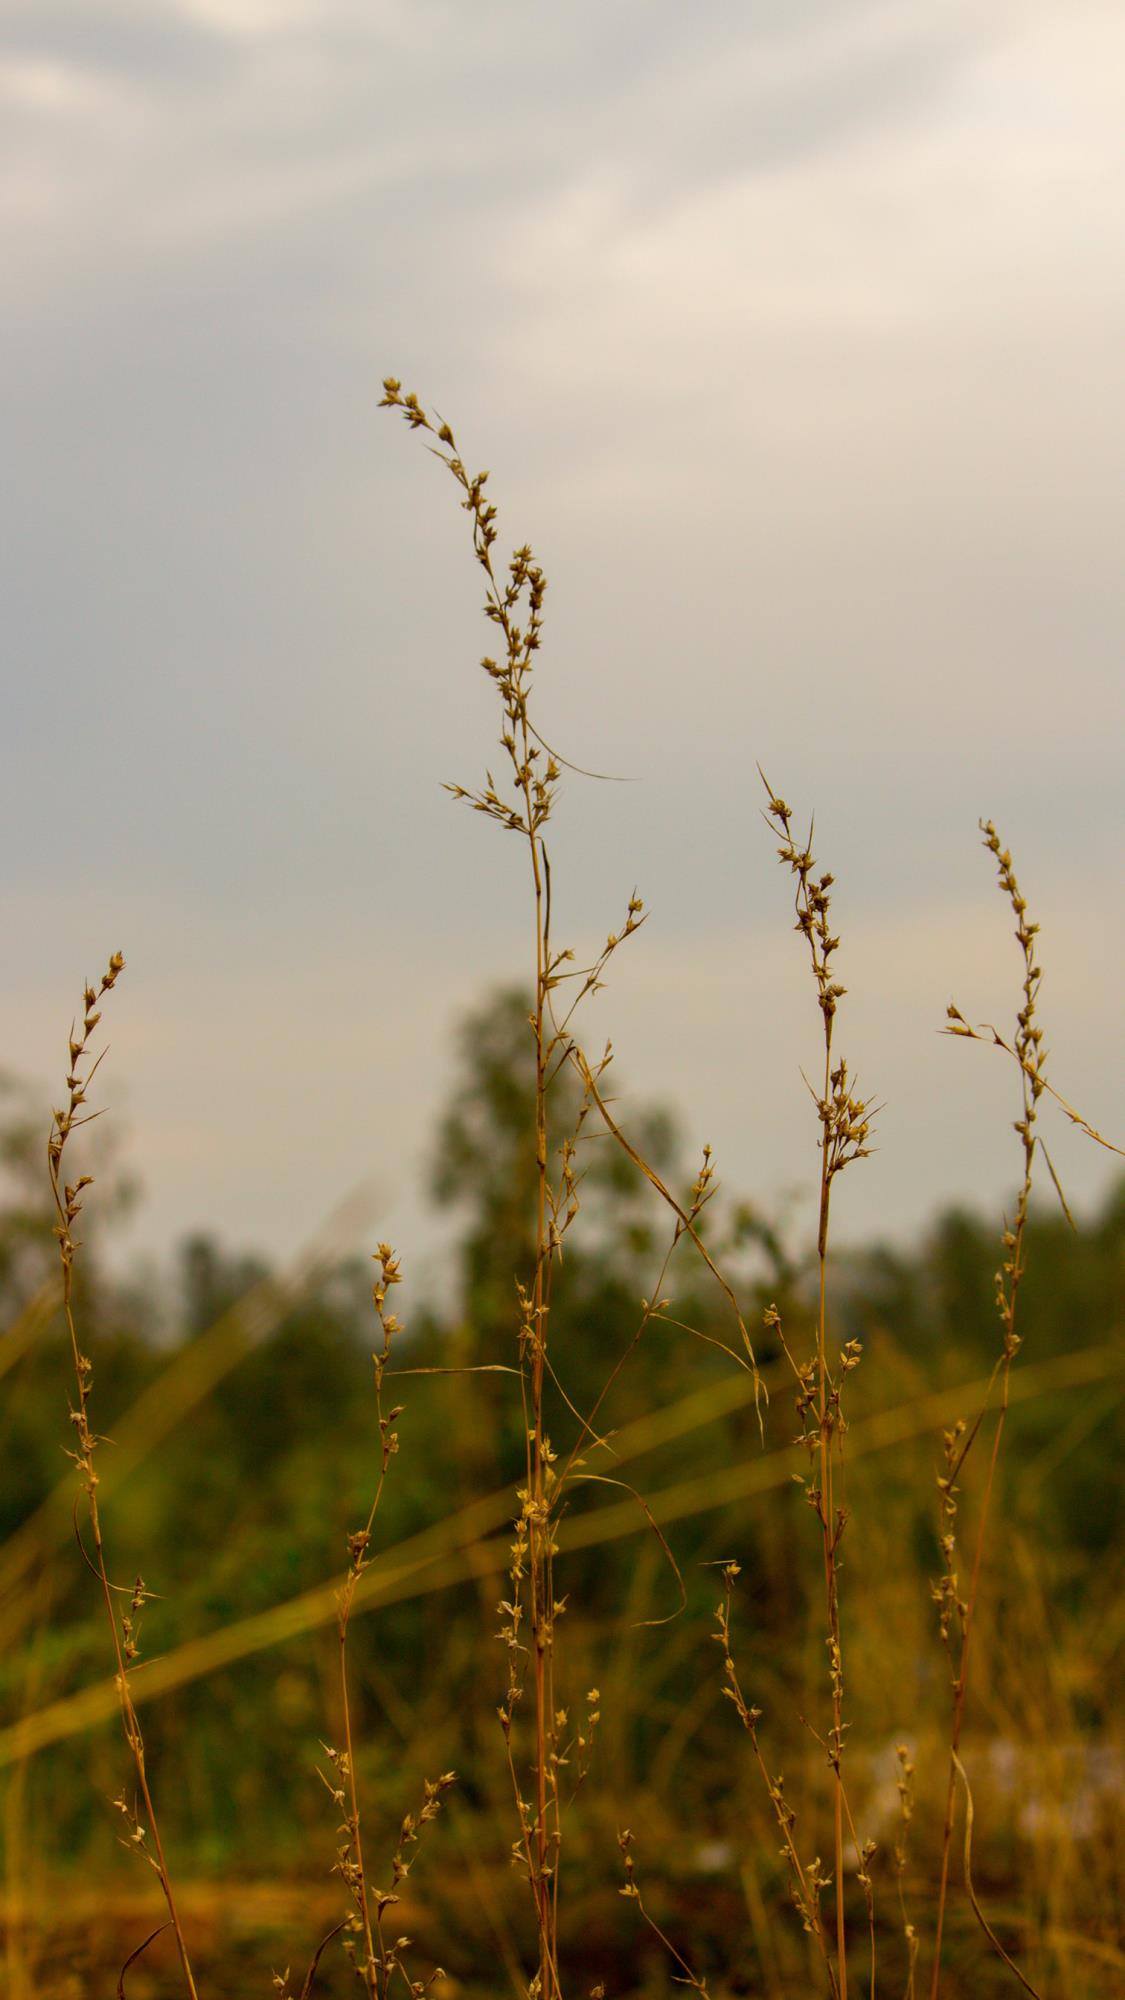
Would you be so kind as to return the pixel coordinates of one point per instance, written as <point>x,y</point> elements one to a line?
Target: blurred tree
<point>484,1165</point>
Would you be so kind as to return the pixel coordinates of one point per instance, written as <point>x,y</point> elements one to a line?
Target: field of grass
<point>697,1606</point>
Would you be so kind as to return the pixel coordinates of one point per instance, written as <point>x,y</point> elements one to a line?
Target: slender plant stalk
<point>349,1859</point>
<point>830,1537</point>
<point>805,1881</point>
<point>124,1632</point>
<point>533,790</point>
<point>958,1614</point>
<point>382,1958</point>
<point>539,1522</point>
<point>684,1976</point>
<point>905,1784</point>
<point>845,1126</point>
<point>514,606</point>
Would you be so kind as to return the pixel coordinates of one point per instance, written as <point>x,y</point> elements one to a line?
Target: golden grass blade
<point>139,1953</point>
<point>599,1479</point>
<point>982,1920</point>
<point>429,1562</point>
<point>317,1956</point>
<point>28,1324</point>
<point>192,1373</point>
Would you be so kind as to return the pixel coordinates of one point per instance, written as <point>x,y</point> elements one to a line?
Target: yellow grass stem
<point>455,1548</point>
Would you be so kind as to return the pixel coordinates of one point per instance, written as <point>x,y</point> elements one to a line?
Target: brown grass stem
<point>124,1632</point>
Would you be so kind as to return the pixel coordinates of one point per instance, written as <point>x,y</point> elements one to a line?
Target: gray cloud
<point>793,337</point>
<point>145,45</point>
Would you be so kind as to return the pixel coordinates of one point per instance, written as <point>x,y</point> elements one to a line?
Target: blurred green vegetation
<point>241,1501</point>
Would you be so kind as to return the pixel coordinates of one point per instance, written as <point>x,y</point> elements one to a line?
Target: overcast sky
<point>794,338</point>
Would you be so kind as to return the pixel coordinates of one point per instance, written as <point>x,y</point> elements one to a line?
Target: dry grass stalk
<point>905,1786</point>
<point>375,1957</point>
<point>845,1121</point>
<point>956,1612</point>
<point>684,1975</point>
<point>807,1879</point>
<point>139,1815</point>
<point>514,606</point>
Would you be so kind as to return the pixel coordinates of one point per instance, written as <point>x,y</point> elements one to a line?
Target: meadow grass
<point>549,1744</point>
